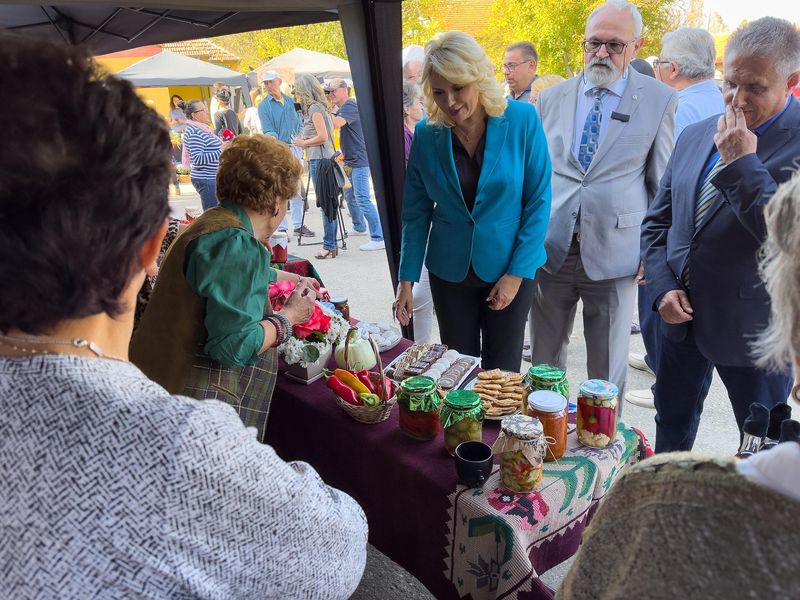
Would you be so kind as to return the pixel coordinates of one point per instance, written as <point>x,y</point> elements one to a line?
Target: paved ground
<point>364,278</point>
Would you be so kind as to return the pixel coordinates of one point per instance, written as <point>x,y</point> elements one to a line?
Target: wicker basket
<point>371,414</point>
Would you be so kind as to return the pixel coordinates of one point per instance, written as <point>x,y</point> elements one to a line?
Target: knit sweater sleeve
<point>242,523</point>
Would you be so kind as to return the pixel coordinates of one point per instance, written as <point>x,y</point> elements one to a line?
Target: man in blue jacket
<point>279,119</point>
<point>701,236</point>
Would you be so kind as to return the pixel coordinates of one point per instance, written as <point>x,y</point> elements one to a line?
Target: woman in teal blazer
<point>476,204</point>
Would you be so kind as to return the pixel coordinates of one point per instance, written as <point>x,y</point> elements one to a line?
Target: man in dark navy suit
<point>702,233</point>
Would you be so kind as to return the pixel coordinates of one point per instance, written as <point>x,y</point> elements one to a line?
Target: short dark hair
<point>527,48</point>
<point>84,175</point>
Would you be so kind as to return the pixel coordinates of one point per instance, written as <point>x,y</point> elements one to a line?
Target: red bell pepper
<point>363,377</point>
<point>344,392</point>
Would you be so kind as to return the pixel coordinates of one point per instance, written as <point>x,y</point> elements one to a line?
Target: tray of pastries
<point>446,367</point>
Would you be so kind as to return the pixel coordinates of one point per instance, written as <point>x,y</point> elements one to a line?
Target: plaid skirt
<point>248,389</point>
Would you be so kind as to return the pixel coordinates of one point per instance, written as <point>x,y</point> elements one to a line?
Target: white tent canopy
<point>170,69</point>
<point>308,62</point>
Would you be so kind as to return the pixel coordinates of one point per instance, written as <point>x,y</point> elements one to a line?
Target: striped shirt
<point>204,151</point>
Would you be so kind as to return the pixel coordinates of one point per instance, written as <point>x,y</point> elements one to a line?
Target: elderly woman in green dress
<point>209,331</point>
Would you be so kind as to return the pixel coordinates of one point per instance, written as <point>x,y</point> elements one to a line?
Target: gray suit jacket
<point>613,195</point>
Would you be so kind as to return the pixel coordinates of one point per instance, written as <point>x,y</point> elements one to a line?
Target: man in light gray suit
<point>609,132</point>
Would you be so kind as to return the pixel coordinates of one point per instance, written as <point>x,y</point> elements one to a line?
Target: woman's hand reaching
<point>404,303</point>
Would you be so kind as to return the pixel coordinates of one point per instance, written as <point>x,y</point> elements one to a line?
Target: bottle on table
<point>754,430</point>
<point>551,410</point>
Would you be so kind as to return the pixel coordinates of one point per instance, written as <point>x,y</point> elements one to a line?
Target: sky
<point>735,11</point>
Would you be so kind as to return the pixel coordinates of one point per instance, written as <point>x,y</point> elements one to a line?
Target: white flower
<point>294,350</point>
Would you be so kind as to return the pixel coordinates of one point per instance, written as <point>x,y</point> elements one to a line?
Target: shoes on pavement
<point>638,362</point>
<point>372,245</point>
<point>635,328</point>
<point>304,232</point>
<point>643,398</point>
<point>357,233</point>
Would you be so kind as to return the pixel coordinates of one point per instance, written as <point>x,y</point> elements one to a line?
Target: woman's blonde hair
<point>778,345</point>
<point>308,90</point>
<point>458,58</point>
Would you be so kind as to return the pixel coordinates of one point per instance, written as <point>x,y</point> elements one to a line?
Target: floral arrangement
<point>312,338</point>
<point>182,170</point>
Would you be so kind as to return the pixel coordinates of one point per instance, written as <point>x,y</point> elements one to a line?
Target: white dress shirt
<point>610,102</point>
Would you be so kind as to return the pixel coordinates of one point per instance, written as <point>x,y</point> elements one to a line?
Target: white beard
<point>600,77</point>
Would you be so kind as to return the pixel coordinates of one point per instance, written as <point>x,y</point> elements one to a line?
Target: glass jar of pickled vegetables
<point>419,407</point>
<point>462,418</point>
<point>522,446</point>
<point>597,413</point>
<point>551,410</point>
<point>546,377</point>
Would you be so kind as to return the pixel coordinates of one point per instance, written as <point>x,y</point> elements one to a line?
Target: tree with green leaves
<point>556,29</point>
<point>257,47</point>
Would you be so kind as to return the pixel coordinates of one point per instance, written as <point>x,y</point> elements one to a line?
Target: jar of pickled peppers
<point>522,446</point>
<point>419,407</point>
<point>546,377</point>
<point>462,418</point>
<point>551,410</point>
<point>597,413</point>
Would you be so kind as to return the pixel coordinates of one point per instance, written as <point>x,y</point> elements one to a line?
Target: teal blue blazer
<point>504,233</point>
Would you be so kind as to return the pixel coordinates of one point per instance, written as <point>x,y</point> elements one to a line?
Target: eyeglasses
<point>513,66</point>
<point>657,62</point>
<point>327,92</point>
<point>199,111</point>
<point>612,47</point>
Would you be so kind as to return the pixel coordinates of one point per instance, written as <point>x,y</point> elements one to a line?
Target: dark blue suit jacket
<point>730,303</point>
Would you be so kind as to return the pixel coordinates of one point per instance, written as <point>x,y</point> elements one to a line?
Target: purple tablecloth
<point>418,514</point>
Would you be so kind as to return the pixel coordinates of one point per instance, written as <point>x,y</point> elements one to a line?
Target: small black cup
<point>473,463</point>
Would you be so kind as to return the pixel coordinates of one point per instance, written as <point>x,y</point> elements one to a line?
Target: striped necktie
<point>704,201</point>
<point>707,193</point>
<point>590,138</point>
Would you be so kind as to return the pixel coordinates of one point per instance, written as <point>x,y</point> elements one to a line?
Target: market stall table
<point>459,542</point>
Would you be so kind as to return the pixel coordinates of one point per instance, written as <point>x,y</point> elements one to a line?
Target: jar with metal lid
<point>340,304</point>
<point>462,418</point>
<point>546,377</point>
<point>521,445</point>
<point>551,409</point>
<point>419,407</point>
<point>597,413</point>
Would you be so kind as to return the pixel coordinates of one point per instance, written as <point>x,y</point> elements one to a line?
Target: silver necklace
<point>75,343</point>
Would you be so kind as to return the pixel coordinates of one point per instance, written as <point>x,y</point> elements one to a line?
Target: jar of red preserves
<point>419,408</point>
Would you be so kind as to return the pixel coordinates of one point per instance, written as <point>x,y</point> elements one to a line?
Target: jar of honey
<point>597,413</point>
<point>419,407</point>
<point>551,409</point>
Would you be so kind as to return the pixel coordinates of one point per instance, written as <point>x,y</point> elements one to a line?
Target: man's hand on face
<point>733,138</point>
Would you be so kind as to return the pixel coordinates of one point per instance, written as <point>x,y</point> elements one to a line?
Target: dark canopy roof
<point>372,34</point>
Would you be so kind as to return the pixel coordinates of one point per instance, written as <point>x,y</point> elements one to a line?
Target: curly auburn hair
<point>84,176</point>
<point>258,172</point>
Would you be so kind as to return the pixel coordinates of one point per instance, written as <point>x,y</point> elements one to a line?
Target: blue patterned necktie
<point>590,138</point>
<point>705,198</point>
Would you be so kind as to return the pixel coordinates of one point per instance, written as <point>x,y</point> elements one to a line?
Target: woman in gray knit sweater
<point>109,486</point>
